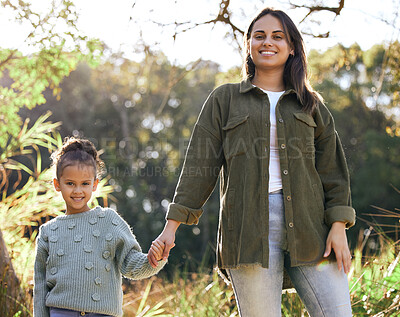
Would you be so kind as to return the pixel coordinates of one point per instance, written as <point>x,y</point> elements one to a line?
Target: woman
<point>284,183</point>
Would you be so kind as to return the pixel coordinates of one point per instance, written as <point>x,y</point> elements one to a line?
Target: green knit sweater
<point>80,260</point>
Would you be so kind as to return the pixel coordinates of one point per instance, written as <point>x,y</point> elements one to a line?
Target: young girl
<point>284,182</point>
<point>81,256</point>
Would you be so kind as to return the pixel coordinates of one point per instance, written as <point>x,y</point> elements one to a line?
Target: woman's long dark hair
<point>295,73</point>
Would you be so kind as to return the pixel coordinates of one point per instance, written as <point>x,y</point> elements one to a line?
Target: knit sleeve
<point>132,262</point>
<point>40,288</point>
<point>136,266</point>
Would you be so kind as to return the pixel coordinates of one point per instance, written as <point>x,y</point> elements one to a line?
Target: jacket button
<point>288,198</point>
<point>291,225</point>
<point>280,120</point>
<point>283,146</point>
<point>285,172</point>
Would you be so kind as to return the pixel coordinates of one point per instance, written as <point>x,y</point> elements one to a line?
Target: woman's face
<point>269,45</point>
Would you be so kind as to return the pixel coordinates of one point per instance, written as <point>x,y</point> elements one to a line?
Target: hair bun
<point>75,149</point>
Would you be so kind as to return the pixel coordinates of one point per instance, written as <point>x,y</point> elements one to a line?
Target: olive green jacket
<point>231,140</point>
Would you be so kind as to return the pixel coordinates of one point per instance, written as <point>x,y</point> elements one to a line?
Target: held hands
<point>161,246</point>
<point>337,241</point>
<point>157,249</point>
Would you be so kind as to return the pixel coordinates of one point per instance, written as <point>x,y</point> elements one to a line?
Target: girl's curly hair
<point>79,151</point>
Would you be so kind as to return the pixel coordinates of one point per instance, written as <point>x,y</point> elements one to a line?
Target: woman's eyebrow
<point>276,31</point>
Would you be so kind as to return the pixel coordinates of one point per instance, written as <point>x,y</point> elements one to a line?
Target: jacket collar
<point>246,85</point>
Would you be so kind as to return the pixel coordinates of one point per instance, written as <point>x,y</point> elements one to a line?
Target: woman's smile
<point>267,53</point>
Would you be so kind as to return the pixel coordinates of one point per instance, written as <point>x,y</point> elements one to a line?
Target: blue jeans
<point>323,289</point>
<point>59,312</point>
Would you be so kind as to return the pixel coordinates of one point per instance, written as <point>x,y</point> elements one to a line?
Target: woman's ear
<point>56,184</point>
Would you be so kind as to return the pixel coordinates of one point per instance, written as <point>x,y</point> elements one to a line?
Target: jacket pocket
<point>305,128</point>
<point>236,141</point>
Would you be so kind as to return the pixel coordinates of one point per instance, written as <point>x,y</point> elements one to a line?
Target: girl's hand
<point>337,240</point>
<point>165,239</point>
<point>157,248</point>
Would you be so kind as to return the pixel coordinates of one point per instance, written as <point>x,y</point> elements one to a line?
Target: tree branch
<point>224,16</point>
<point>318,8</point>
<point>8,58</point>
<point>175,79</point>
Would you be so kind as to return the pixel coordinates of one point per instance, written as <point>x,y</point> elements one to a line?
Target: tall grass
<point>374,291</point>
<point>188,294</point>
<point>375,282</point>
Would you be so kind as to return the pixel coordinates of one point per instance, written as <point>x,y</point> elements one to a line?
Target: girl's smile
<point>76,184</point>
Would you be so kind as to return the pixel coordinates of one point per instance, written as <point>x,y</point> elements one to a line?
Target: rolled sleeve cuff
<point>160,265</point>
<point>344,214</point>
<point>183,214</point>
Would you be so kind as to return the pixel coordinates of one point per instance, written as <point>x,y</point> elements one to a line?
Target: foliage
<point>375,283</point>
<point>54,55</point>
<point>145,310</point>
<point>25,143</point>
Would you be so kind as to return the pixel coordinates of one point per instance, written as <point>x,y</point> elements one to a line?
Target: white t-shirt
<point>275,180</point>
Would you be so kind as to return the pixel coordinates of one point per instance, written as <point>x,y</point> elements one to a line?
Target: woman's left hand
<point>337,240</point>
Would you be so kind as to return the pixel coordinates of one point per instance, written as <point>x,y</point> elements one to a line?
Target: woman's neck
<point>271,80</point>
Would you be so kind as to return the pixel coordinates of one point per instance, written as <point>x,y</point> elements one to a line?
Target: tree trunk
<point>9,283</point>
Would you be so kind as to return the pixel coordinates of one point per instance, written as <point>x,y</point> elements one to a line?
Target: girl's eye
<point>86,184</point>
<point>70,183</point>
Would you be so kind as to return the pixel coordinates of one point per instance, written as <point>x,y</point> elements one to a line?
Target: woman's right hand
<point>167,239</point>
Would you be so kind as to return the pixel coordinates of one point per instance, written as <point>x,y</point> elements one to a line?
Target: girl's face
<point>76,184</point>
<point>269,45</point>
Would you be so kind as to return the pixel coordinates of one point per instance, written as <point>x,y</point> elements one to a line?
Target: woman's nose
<point>267,41</point>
